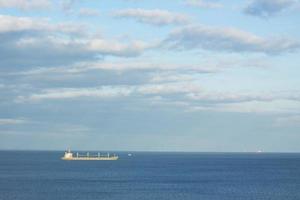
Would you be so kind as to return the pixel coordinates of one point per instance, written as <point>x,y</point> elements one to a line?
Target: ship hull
<point>91,158</point>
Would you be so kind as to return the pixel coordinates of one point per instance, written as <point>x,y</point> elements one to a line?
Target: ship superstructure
<point>70,156</point>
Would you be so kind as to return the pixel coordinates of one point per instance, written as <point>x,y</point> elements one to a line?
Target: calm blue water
<point>197,176</point>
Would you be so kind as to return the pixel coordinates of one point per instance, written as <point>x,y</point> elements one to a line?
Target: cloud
<point>245,102</point>
<point>112,91</point>
<point>226,39</point>
<point>112,47</point>
<point>25,4</point>
<point>259,107</point>
<point>189,92</point>
<point>44,50</point>
<point>189,89</point>
<point>88,12</point>
<point>67,93</point>
<point>8,121</point>
<point>160,71</point>
<point>267,8</point>
<point>168,88</point>
<point>67,5</point>
<point>28,41</point>
<point>22,25</point>
<point>14,24</point>
<point>204,3</point>
<point>82,67</point>
<point>233,97</point>
<point>171,77</point>
<point>154,17</point>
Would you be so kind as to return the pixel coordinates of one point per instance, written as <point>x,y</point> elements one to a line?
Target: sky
<point>141,75</point>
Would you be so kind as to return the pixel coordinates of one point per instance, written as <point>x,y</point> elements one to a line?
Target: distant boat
<point>69,156</point>
<point>129,154</point>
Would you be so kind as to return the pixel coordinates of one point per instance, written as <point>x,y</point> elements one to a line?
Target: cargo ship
<point>70,156</point>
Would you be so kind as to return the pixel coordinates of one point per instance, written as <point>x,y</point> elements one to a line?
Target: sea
<point>42,175</point>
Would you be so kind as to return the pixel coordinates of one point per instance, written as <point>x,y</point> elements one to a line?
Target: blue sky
<point>138,75</point>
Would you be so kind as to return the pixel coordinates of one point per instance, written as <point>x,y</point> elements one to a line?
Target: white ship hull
<point>69,156</point>
<point>91,158</point>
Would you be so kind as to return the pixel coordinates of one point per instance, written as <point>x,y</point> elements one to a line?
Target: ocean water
<point>41,175</point>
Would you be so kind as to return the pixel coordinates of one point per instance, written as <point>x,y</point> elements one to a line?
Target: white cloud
<point>19,24</point>
<point>169,88</point>
<point>230,97</point>
<point>93,45</point>
<point>114,47</point>
<point>144,65</point>
<point>171,77</point>
<point>204,3</point>
<point>190,94</point>
<point>160,71</point>
<point>12,23</point>
<point>112,91</point>
<point>260,107</point>
<point>190,90</point>
<point>158,100</point>
<point>123,65</point>
<point>88,12</point>
<point>272,102</point>
<point>155,17</point>
<point>66,93</point>
<point>236,97</point>
<point>29,41</point>
<point>8,121</point>
<point>25,4</point>
<point>267,8</point>
<point>226,39</point>
<point>277,106</point>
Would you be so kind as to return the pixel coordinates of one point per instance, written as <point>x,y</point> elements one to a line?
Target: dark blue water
<point>197,176</point>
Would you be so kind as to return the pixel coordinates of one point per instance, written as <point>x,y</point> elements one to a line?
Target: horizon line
<point>153,151</point>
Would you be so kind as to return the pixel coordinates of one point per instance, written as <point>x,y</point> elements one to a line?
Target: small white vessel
<point>69,156</point>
